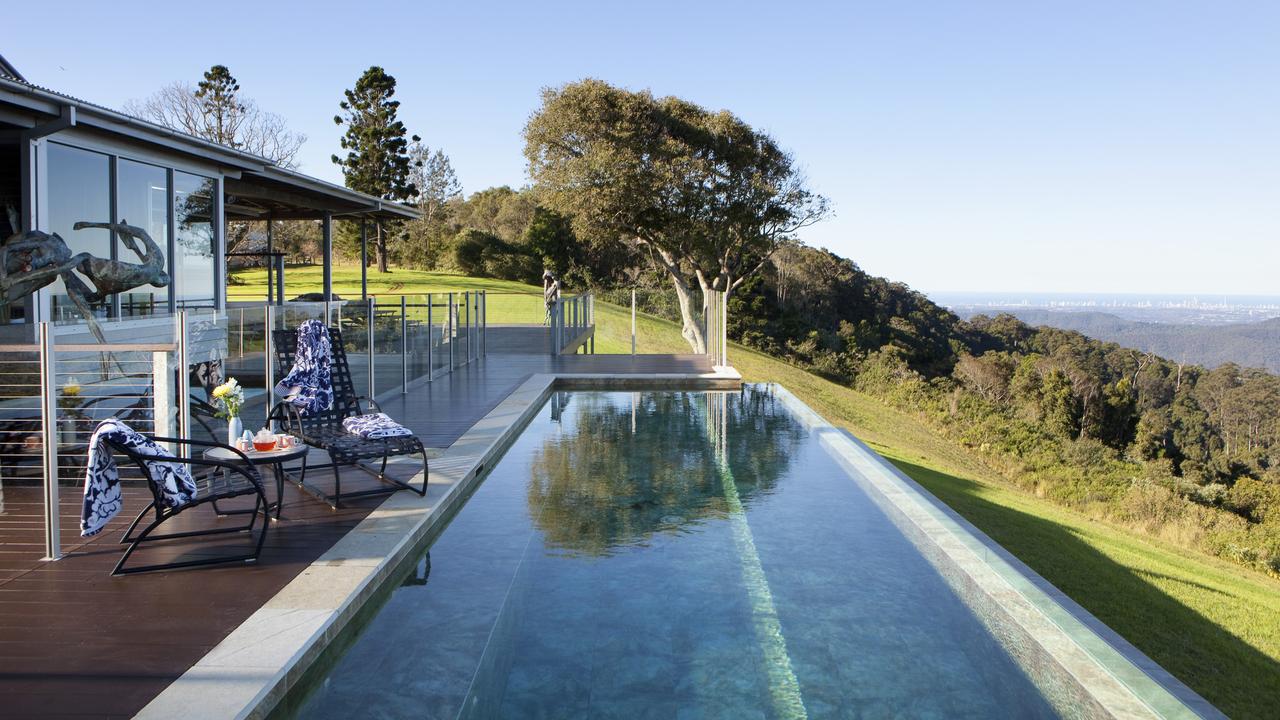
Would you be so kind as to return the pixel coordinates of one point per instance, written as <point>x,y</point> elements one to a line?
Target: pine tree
<point>377,161</point>
<point>218,96</point>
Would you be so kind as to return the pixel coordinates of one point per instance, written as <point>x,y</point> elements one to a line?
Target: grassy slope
<point>1214,625</point>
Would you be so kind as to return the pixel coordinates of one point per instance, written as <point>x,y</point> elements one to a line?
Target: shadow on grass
<point>1236,677</point>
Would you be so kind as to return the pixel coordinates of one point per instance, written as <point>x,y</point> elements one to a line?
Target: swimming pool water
<point>634,555</point>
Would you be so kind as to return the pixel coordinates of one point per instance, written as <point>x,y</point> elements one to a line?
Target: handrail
<point>96,347</point>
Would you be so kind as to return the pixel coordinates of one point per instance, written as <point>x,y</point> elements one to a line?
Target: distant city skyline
<point>991,146</point>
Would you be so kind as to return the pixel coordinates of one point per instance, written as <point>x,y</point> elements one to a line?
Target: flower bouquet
<point>228,398</point>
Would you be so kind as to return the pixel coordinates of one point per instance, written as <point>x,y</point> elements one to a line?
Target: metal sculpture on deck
<point>34,259</point>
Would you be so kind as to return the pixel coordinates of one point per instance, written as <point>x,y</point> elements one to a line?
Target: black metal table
<point>273,458</point>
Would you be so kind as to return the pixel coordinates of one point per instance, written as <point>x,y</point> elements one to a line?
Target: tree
<point>216,111</point>
<point>432,175</point>
<point>709,198</point>
<point>377,161</point>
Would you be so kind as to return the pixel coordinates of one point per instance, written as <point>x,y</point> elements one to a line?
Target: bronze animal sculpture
<point>34,259</point>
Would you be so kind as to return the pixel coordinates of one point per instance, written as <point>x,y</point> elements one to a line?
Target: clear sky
<point>1113,146</point>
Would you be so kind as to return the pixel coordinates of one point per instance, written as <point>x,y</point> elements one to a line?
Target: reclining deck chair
<point>215,480</point>
<point>323,429</point>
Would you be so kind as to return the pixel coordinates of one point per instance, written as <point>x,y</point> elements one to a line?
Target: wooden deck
<point>75,641</point>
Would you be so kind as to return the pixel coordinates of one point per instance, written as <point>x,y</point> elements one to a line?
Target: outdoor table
<point>273,458</point>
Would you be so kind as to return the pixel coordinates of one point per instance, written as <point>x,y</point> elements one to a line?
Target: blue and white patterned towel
<point>309,385</point>
<point>374,426</point>
<point>102,478</point>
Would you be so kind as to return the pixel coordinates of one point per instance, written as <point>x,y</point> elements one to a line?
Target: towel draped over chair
<point>308,386</point>
<point>173,482</point>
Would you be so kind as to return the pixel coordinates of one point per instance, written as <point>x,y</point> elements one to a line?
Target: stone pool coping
<point>1114,674</point>
<point>253,668</point>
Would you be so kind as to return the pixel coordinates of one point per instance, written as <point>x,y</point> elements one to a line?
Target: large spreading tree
<point>703,194</point>
<point>377,161</point>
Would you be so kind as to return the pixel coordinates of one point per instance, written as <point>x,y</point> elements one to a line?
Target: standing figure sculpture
<point>550,292</point>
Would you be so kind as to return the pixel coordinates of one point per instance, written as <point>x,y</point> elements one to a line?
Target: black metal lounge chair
<point>215,480</point>
<point>324,430</point>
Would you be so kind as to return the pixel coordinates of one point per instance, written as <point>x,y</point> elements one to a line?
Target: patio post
<point>431,331</point>
<point>49,435</point>
<point>364,260</point>
<point>326,247</point>
<point>271,285</point>
<point>371,309</point>
<point>450,321</point>
<point>404,347</point>
<point>484,323</point>
<point>466,322</point>
<point>279,279</point>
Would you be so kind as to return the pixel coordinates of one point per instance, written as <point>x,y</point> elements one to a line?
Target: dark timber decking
<point>76,642</point>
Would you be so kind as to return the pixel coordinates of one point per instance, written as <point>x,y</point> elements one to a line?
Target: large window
<point>80,190</point>
<point>142,200</point>
<point>193,261</point>
<point>79,185</point>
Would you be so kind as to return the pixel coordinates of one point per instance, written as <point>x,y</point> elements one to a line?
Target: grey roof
<point>7,70</point>
<point>44,101</point>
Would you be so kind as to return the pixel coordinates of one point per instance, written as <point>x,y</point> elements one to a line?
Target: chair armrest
<point>370,402</point>
<point>245,468</point>
<point>287,415</point>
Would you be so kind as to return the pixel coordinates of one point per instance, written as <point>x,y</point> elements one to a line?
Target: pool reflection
<point>641,464</point>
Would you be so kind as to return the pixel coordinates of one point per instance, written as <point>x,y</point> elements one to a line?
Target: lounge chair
<point>215,480</point>
<point>324,430</point>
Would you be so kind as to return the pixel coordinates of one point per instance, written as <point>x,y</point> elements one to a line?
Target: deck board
<point>75,641</point>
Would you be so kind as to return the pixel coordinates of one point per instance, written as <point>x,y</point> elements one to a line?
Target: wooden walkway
<point>75,641</point>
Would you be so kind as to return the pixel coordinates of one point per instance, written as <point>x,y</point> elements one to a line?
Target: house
<point>65,162</point>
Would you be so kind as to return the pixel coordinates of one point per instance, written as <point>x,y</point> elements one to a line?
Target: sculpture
<point>34,259</point>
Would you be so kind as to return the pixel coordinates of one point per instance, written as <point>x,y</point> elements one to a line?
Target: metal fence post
<point>268,323</point>
<point>404,347</point>
<point>484,323</point>
<point>371,309</point>
<point>724,332</point>
<point>49,434</point>
<point>466,322</point>
<point>184,382</point>
<point>431,340</point>
<point>450,321</point>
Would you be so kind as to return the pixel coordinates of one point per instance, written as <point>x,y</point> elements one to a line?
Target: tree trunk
<point>381,245</point>
<point>691,315</point>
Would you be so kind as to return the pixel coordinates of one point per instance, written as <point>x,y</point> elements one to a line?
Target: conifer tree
<point>218,96</point>
<point>377,160</point>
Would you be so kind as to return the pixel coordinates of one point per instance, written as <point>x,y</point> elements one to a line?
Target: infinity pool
<point>674,555</point>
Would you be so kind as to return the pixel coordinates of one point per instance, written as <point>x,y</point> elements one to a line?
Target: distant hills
<point>1254,344</point>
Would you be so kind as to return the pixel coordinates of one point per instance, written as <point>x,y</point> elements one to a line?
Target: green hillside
<point>1213,624</point>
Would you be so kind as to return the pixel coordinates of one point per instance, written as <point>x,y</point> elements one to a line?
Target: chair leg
<point>426,472</point>
<point>133,525</point>
<point>337,484</point>
<point>260,506</point>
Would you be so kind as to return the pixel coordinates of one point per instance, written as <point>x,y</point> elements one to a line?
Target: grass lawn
<point>1214,625</point>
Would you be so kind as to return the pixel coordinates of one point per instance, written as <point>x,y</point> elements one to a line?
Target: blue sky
<point>1124,146</point>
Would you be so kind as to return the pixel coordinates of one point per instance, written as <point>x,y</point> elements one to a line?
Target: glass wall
<point>150,197</point>
<point>142,200</point>
<point>79,190</point>
<point>193,261</point>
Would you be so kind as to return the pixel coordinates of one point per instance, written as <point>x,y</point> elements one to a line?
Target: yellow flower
<point>223,389</point>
